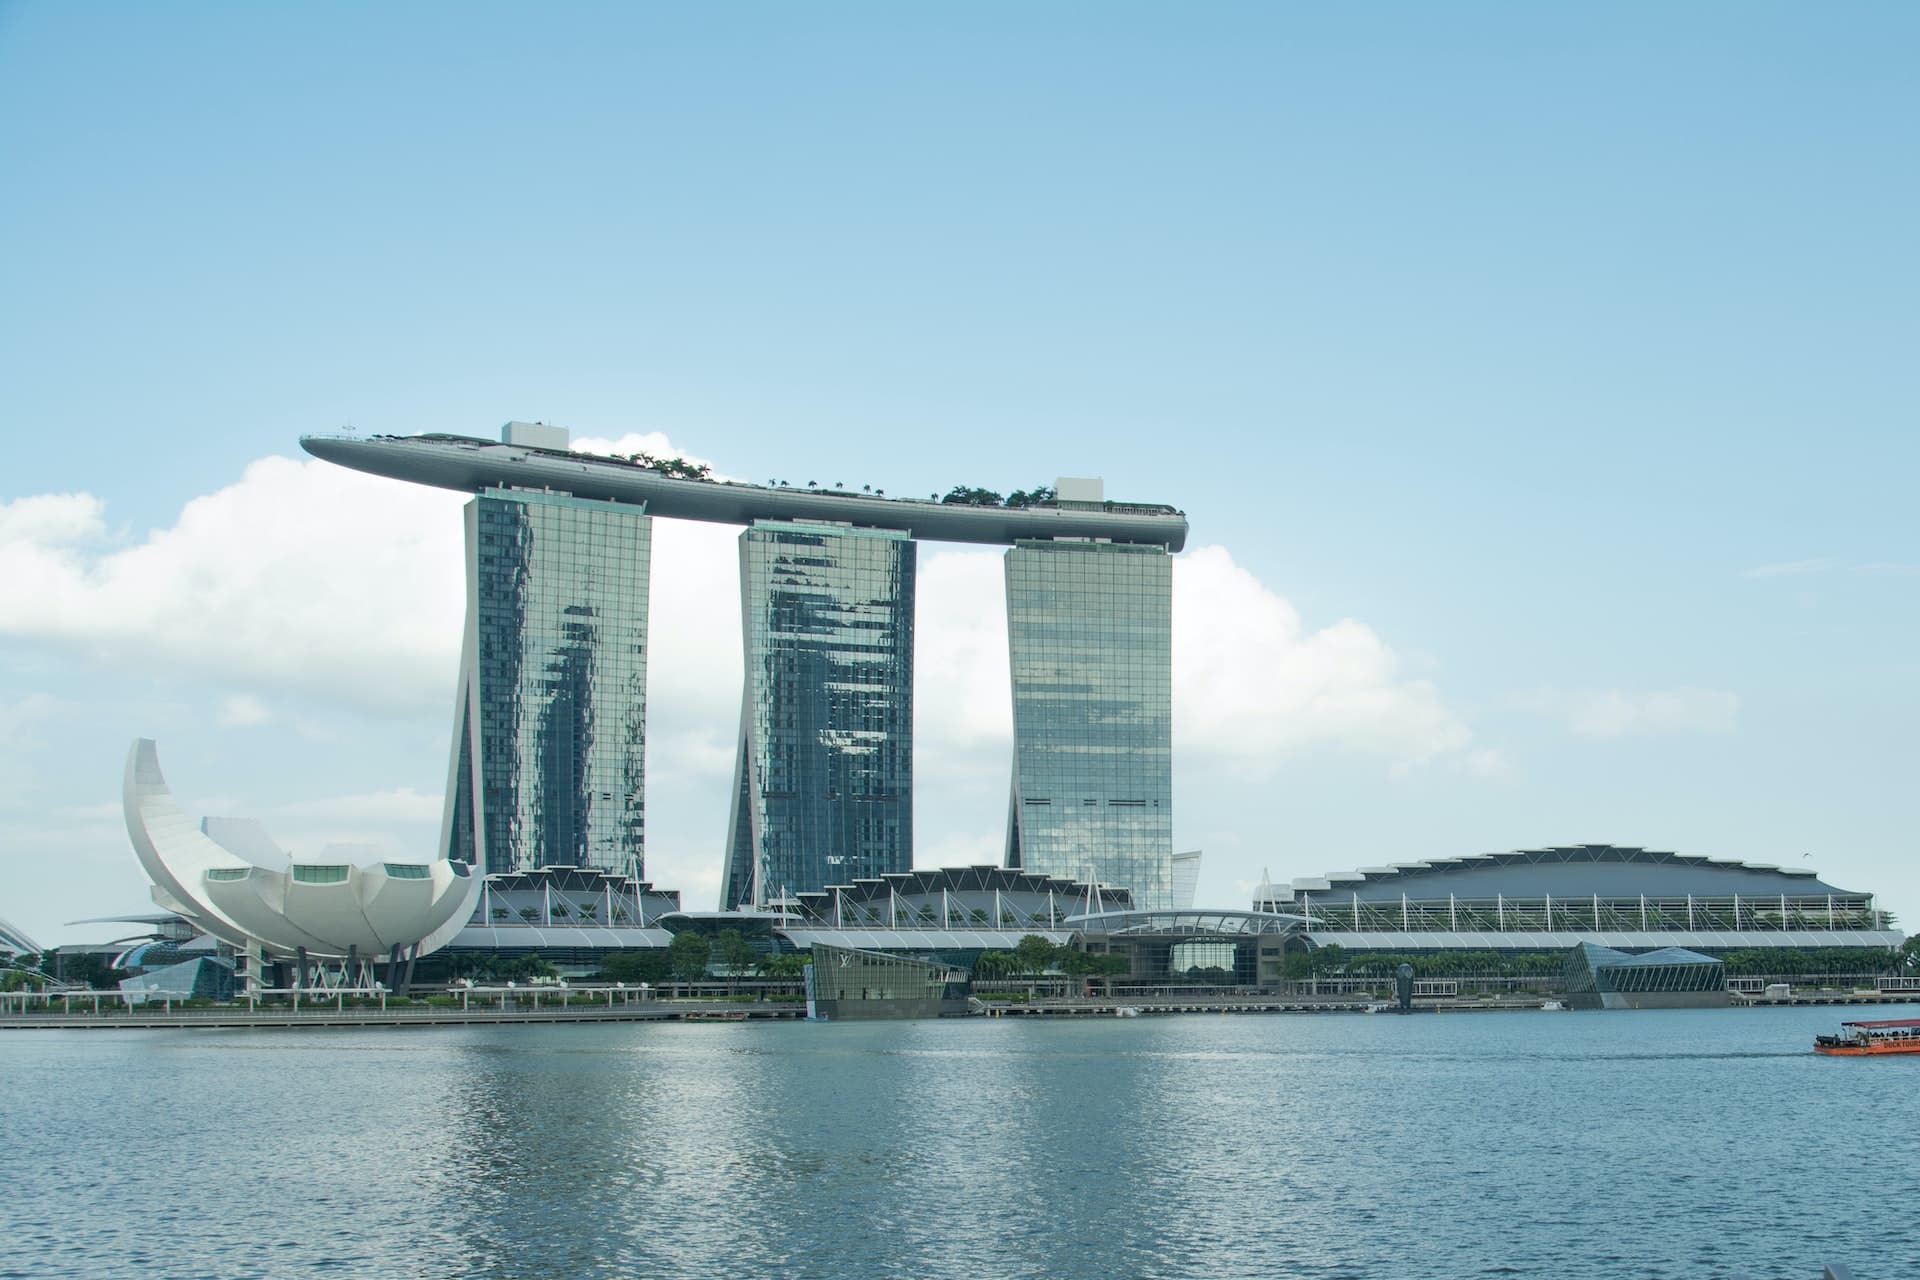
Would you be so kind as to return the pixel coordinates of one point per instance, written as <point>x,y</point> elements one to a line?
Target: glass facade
<point>1600,977</point>
<point>1089,627</point>
<point>843,982</point>
<point>823,790</point>
<point>551,730</point>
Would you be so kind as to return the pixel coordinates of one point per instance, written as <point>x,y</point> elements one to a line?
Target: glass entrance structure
<point>1671,978</point>
<point>823,784</point>
<point>549,747</point>
<point>1089,629</point>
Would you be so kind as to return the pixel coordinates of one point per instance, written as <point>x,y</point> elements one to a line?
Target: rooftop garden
<point>961,495</point>
<point>678,468</point>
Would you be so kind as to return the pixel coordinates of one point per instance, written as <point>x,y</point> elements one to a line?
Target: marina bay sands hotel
<point>550,727</point>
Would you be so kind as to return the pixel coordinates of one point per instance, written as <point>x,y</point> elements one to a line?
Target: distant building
<point>1551,899</point>
<point>1191,947</point>
<point>15,943</point>
<point>1186,879</point>
<point>570,916</point>
<point>1089,627</point>
<point>823,784</point>
<point>952,913</point>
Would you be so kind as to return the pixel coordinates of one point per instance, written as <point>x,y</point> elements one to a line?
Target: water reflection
<point>1600,1145</point>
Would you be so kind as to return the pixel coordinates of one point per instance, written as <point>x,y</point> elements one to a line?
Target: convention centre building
<point>1552,899</point>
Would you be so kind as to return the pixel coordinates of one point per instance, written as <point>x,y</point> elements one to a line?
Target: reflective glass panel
<point>1089,628</point>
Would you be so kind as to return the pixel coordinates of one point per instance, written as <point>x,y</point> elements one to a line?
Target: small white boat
<point>1377,1006</point>
<point>1553,1006</point>
<point>1126,1011</point>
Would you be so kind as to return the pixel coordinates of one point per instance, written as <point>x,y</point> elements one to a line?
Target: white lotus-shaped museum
<point>228,877</point>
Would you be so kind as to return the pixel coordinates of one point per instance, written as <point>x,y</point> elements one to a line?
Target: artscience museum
<point>292,922</point>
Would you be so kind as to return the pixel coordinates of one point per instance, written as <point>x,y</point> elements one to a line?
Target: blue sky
<point>1538,381</point>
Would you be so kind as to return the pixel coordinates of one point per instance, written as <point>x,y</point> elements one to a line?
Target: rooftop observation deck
<point>472,465</point>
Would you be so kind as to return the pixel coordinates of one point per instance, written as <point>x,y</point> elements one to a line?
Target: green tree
<point>994,964</point>
<point>1076,964</point>
<point>1033,954</point>
<point>90,970</point>
<point>691,952</point>
<point>1326,960</point>
<point>962,495</point>
<point>1111,966</point>
<point>788,964</point>
<point>1040,493</point>
<point>637,966</point>
<point>531,965</point>
<point>735,952</point>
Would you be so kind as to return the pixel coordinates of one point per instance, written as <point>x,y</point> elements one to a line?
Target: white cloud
<point>1252,685</point>
<point>962,697</point>
<point>1855,568</point>
<point>56,519</point>
<point>16,716</point>
<point>20,745</point>
<point>300,576</point>
<point>306,577</point>
<point>695,873</point>
<point>1488,762</point>
<point>1788,569</point>
<point>401,804</point>
<point>1614,713</point>
<point>243,711</point>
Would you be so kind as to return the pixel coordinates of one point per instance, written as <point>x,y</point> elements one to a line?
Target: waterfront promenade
<point>479,1006</point>
<point>105,1011</point>
<point>397,1016</point>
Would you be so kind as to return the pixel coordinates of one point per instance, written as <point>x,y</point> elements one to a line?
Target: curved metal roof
<point>459,462</point>
<point>804,937</point>
<point>967,884</point>
<point>14,940</point>
<point>480,937</point>
<point>1622,939</point>
<point>1196,924</point>
<point>1574,870</point>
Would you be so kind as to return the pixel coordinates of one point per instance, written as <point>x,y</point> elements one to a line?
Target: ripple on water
<point>1622,1145</point>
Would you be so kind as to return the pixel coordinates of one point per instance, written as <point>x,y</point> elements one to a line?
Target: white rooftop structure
<point>224,880</point>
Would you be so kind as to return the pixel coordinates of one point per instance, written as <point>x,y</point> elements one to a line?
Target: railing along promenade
<point>84,1009</point>
<point>349,1007</point>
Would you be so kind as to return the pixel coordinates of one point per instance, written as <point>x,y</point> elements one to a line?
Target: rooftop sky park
<point>548,766</point>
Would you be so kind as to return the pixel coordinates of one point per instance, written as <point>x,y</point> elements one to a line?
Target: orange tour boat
<point>1897,1035</point>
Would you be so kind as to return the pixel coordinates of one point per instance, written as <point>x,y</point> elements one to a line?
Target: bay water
<point>1646,1144</point>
